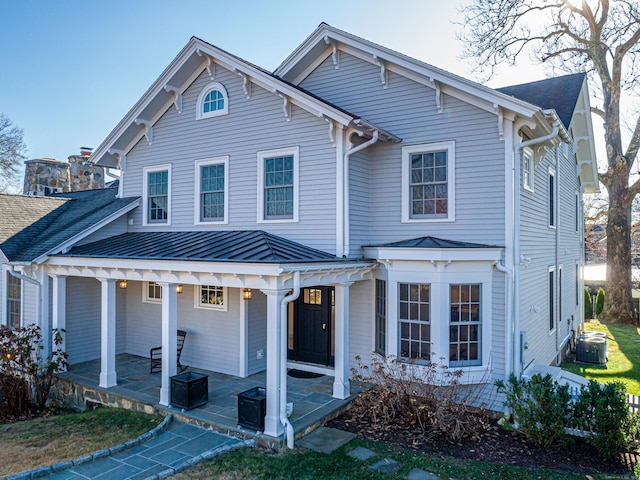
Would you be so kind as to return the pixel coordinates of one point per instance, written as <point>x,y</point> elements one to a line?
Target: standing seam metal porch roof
<point>255,246</point>
<point>432,242</point>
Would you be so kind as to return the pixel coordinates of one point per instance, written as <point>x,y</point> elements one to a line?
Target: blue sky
<point>71,69</point>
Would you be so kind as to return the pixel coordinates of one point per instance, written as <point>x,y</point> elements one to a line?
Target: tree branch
<point>634,144</point>
<point>599,112</point>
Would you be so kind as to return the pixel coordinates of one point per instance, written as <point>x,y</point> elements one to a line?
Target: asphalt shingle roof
<point>254,246</point>
<point>433,242</point>
<point>32,226</point>
<point>558,93</point>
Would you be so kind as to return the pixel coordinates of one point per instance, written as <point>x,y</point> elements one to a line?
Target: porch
<point>312,398</point>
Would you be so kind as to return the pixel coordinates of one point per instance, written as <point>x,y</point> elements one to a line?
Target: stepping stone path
<point>390,466</point>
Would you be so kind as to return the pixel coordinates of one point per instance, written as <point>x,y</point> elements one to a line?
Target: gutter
<point>288,428</point>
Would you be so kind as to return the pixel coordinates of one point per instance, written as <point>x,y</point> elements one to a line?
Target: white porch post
<point>59,307</point>
<point>169,339</point>
<point>108,376</point>
<point>45,314</point>
<point>244,336</point>
<point>341,387</point>
<point>272,425</point>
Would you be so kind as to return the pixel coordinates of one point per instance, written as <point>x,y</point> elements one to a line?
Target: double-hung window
<point>552,298</point>
<point>152,292</point>
<point>415,321</point>
<point>14,301</point>
<point>157,195</point>
<point>527,169</point>
<point>210,297</point>
<point>428,182</point>
<point>552,199</point>
<point>278,185</point>
<point>212,190</point>
<point>381,316</point>
<point>465,327</point>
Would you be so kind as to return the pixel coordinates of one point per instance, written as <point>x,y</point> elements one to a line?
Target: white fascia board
<point>593,170</point>
<point>64,246</point>
<point>434,254</point>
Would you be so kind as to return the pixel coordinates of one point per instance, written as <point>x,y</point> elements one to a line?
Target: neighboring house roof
<point>432,242</point>
<point>560,94</point>
<point>36,226</point>
<point>254,246</point>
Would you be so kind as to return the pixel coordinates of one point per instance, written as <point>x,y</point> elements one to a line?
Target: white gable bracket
<point>148,128</point>
<point>286,106</point>
<point>334,51</point>
<point>177,100</point>
<point>122,158</point>
<point>439,103</point>
<point>500,121</point>
<point>332,138</point>
<point>211,64</point>
<point>384,77</point>
<point>246,84</point>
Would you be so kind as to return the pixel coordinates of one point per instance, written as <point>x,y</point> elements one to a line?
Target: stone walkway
<point>160,455</point>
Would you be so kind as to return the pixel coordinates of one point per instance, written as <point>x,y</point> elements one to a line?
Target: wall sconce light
<point>122,284</point>
<point>246,293</point>
<point>178,289</point>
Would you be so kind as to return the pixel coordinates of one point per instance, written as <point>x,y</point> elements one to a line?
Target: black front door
<point>312,326</point>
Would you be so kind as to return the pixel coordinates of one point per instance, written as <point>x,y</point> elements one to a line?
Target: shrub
<point>26,376</point>
<point>540,407</point>
<point>588,304</point>
<point>599,301</point>
<point>427,396</point>
<point>603,412</point>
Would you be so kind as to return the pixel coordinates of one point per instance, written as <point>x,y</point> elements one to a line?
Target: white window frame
<point>262,156</point>
<point>552,213</point>
<point>145,294</point>
<point>224,160</point>
<point>145,193</point>
<point>451,181</point>
<point>551,302</point>
<point>467,363</point>
<point>5,302</point>
<point>528,174</point>
<point>578,212</point>
<point>200,113</point>
<point>197,297</point>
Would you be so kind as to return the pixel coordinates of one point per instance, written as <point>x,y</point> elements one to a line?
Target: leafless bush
<point>428,396</point>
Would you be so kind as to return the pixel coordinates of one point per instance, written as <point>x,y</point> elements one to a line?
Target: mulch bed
<point>495,445</point>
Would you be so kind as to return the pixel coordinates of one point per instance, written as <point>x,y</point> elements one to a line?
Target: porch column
<point>341,387</point>
<point>45,314</point>
<point>272,425</point>
<point>59,307</point>
<point>243,368</point>
<point>108,376</point>
<point>169,339</point>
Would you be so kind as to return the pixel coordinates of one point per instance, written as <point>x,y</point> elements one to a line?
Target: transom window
<point>211,190</point>
<point>14,301</point>
<point>278,180</point>
<point>527,169</point>
<point>415,321</point>
<point>212,102</point>
<point>152,292</point>
<point>211,297</point>
<point>428,182</point>
<point>465,325</point>
<point>157,192</point>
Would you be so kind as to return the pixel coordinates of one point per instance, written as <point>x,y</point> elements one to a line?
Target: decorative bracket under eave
<point>122,158</point>
<point>500,121</point>
<point>332,137</point>
<point>335,53</point>
<point>148,132</point>
<point>177,101</point>
<point>246,84</point>
<point>286,106</point>
<point>439,103</point>
<point>211,64</point>
<point>384,76</point>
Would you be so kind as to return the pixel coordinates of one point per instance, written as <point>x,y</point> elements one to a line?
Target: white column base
<point>108,379</point>
<point>341,388</point>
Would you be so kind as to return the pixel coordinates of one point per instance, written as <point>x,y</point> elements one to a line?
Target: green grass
<point>300,464</point>
<point>623,352</point>
<point>45,441</point>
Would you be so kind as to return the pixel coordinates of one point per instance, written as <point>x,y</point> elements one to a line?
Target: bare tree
<point>12,152</point>
<point>601,37</point>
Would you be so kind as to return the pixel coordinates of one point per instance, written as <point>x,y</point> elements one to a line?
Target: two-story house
<point>364,200</point>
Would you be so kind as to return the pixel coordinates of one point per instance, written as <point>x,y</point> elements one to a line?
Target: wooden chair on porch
<point>155,354</point>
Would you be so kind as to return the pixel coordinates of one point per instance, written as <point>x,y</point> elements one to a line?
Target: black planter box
<point>252,407</point>
<point>189,390</point>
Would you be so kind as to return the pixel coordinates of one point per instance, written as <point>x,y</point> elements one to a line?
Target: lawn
<point>300,464</point>
<point>623,352</point>
<point>45,441</point>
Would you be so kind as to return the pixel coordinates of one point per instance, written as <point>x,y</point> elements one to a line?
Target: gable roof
<point>192,60</point>
<point>36,226</point>
<point>559,93</point>
<point>254,246</point>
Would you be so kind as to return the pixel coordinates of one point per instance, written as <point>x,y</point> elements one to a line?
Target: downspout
<point>516,238</point>
<point>556,222</point>
<point>501,267</point>
<point>345,192</point>
<point>12,270</point>
<point>288,433</point>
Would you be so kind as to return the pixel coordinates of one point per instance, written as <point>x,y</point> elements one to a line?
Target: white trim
<point>223,160</point>
<point>145,191</point>
<point>145,293</point>
<point>261,157</point>
<point>200,114</point>
<point>197,297</point>
<point>407,151</point>
<point>489,254</point>
<point>527,153</point>
<point>552,269</point>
